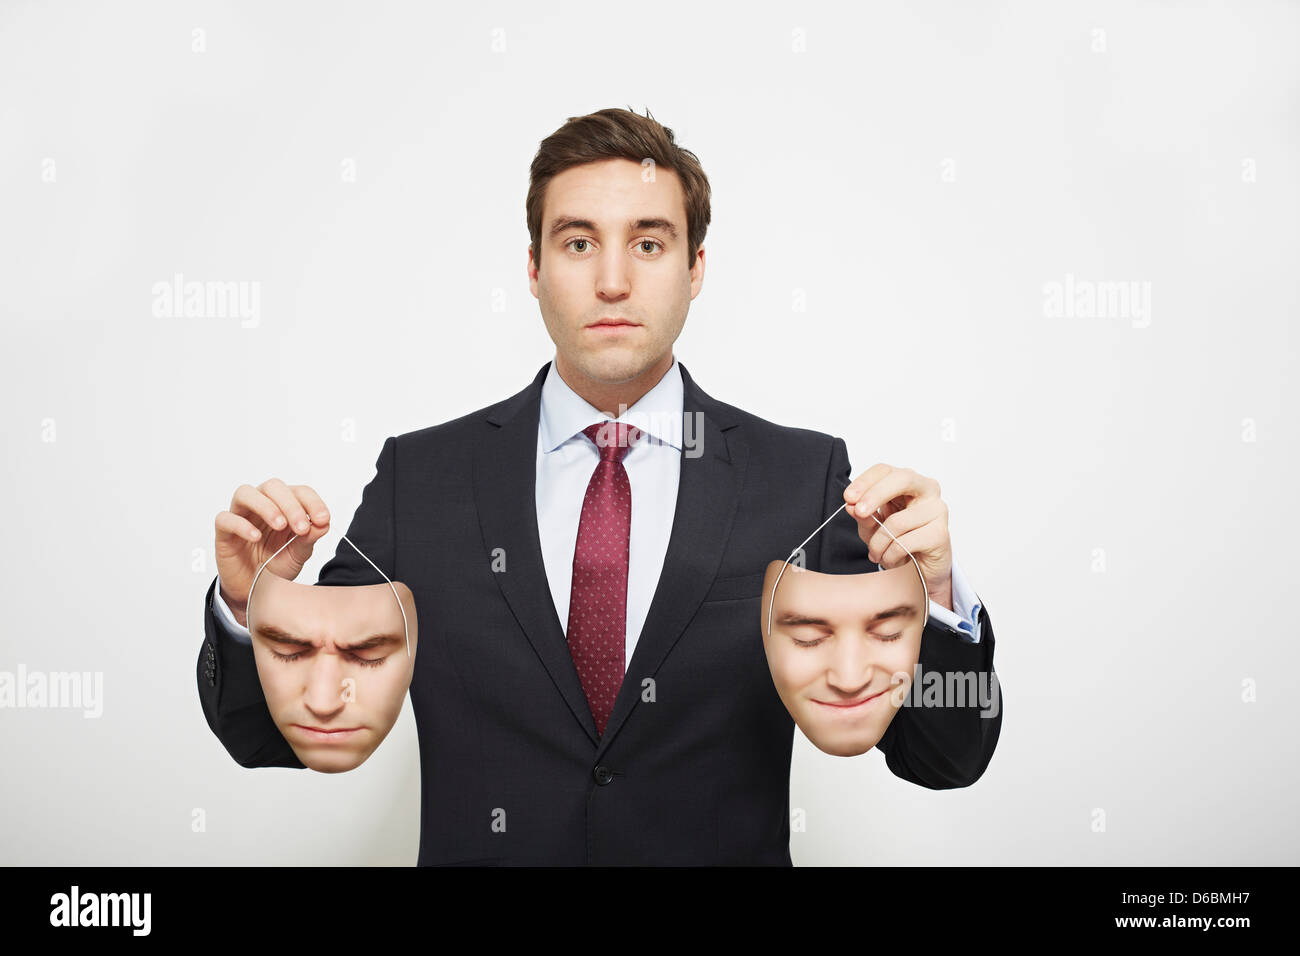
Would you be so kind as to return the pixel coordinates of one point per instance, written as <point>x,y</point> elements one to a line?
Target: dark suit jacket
<point>696,771</point>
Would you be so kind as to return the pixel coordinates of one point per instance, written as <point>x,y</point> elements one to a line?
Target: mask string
<point>771,603</point>
<point>405,624</point>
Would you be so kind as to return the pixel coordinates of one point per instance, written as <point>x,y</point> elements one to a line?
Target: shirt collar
<point>565,413</point>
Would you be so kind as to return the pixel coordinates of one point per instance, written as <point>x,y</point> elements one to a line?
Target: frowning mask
<point>843,648</point>
<point>335,663</point>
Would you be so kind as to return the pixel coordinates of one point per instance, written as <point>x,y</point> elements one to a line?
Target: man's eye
<point>888,637</point>
<point>369,661</point>
<point>810,639</point>
<point>807,643</point>
<point>286,657</point>
<point>574,245</point>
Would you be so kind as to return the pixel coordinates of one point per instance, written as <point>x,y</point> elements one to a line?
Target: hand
<point>910,507</point>
<point>259,522</point>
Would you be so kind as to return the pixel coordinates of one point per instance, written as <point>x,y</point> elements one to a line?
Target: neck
<point>613,398</point>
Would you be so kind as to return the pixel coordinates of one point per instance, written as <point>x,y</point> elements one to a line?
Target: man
<point>591,685</point>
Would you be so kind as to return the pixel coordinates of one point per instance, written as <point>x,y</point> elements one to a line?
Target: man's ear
<point>533,271</point>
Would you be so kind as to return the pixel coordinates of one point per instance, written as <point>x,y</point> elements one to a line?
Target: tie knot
<point>613,439</point>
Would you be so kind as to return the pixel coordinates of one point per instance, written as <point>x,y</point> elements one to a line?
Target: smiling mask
<point>843,648</point>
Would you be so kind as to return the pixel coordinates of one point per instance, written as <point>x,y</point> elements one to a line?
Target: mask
<point>843,648</point>
<point>335,663</point>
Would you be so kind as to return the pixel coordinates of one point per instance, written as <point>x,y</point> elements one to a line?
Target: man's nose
<point>851,666</point>
<point>324,693</point>
<point>613,279</point>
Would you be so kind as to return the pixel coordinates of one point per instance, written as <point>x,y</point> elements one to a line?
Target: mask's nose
<point>324,694</point>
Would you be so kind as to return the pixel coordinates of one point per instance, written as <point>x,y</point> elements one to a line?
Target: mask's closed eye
<point>814,642</point>
<point>353,658</point>
<point>370,652</point>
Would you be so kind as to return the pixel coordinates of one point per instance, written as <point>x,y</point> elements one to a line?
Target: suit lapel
<point>505,483</point>
<point>505,477</point>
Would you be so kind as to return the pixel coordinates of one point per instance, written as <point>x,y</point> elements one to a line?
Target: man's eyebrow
<point>903,610</point>
<point>564,223</point>
<point>377,640</point>
<point>791,617</point>
<point>273,633</point>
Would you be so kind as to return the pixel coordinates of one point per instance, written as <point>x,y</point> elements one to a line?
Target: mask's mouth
<point>851,704</point>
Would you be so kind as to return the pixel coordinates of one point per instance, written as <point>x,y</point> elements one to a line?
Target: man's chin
<point>615,363</point>
<point>331,759</point>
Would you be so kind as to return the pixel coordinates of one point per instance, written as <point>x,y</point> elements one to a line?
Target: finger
<point>859,485</point>
<point>918,543</point>
<point>921,513</point>
<point>233,526</point>
<point>317,532</point>
<point>309,539</point>
<point>312,504</point>
<point>251,503</point>
<point>283,495</point>
<point>900,481</point>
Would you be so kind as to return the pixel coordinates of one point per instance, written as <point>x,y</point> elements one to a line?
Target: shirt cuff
<point>227,617</point>
<point>964,618</point>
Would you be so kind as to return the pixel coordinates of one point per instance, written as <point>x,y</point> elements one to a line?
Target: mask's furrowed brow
<point>280,636</point>
<point>272,633</point>
<point>369,643</point>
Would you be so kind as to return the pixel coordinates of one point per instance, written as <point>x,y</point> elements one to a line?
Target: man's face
<point>613,247</point>
<point>843,650</point>
<point>333,665</point>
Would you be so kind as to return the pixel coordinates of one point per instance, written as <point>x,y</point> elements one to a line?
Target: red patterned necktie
<point>598,599</point>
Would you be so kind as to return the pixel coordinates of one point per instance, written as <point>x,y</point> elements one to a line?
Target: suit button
<point>603,775</point>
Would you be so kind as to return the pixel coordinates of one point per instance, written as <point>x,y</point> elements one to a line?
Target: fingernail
<point>322,516</point>
<point>302,527</point>
<point>279,521</point>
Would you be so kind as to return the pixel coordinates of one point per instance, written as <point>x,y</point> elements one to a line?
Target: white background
<point>893,187</point>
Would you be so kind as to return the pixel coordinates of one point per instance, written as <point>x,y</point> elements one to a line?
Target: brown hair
<point>617,133</point>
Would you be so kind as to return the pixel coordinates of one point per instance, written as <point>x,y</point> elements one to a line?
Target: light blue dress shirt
<point>566,459</point>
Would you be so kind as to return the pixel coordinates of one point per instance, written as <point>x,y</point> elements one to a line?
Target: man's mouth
<point>327,734</point>
<point>849,704</point>
<point>613,324</point>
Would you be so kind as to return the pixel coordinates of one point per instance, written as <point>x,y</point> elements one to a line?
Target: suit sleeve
<point>230,691</point>
<point>938,747</point>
